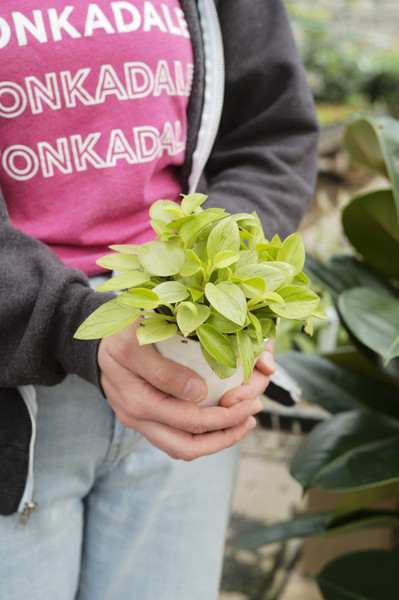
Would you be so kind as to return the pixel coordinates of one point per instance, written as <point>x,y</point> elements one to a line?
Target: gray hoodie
<point>253,148</point>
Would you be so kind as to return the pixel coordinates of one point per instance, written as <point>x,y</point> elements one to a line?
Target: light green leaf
<point>122,281</point>
<point>165,210</point>
<point>373,317</point>
<point>106,320</point>
<point>191,202</point>
<point>119,262</point>
<point>194,224</point>
<point>189,316</point>
<point>221,370</point>
<point>268,328</point>
<point>224,237</point>
<point>171,292</point>
<point>225,259</point>
<point>192,264</point>
<point>195,294</point>
<point>274,274</point>
<point>140,297</point>
<point>246,352</point>
<point>155,329</point>
<point>228,300</point>
<point>292,251</point>
<point>125,248</point>
<point>299,302</point>
<point>222,324</point>
<point>254,287</point>
<point>217,344</point>
<point>247,257</point>
<point>162,258</point>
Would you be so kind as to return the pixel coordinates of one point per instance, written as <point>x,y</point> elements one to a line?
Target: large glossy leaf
<point>361,139</point>
<point>352,450</point>
<point>337,388</point>
<point>373,317</point>
<point>349,357</point>
<point>318,525</point>
<point>108,319</point>
<point>364,575</point>
<point>354,500</point>
<point>343,272</point>
<point>370,223</point>
<point>373,142</point>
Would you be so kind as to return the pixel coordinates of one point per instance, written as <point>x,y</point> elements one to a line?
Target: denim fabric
<point>117,519</point>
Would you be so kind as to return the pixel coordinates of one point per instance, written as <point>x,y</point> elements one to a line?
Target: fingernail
<point>193,391</point>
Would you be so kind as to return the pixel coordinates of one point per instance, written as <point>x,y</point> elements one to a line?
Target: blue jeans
<point>117,518</point>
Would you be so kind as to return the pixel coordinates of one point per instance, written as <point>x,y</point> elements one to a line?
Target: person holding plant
<point>104,108</point>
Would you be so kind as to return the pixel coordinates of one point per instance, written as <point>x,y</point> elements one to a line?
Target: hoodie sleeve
<point>42,303</point>
<point>264,157</point>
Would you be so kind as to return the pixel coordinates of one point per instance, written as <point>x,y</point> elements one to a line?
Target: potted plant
<point>354,453</point>
<point>210,280</point>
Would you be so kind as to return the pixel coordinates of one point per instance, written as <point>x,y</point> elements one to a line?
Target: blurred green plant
<point>344,66</point>
<point>355,451</point>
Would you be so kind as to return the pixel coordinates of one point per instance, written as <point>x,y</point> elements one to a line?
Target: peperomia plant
<point>211,276</point>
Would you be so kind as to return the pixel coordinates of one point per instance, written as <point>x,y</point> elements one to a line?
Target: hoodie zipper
<point>214,88</point>
<point>28,504</point>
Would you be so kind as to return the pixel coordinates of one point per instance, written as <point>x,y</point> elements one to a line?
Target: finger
<point>184,446</point>
<point>265,362</point>
<point>254,388</point>
<point>143,402</point>
<point>174,379</point>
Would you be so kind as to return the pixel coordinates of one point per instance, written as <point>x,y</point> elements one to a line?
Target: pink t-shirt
<point>93,100</point>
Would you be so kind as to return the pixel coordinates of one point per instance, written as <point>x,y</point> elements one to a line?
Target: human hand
<point>157,398</point>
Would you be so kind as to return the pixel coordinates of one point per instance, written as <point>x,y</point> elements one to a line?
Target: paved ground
<point>265,494</point>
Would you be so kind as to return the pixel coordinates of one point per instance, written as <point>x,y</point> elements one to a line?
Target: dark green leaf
<point>351,450</point>
<point>370,223</point>
<point>373,317</point>
<point>318,525</point>
<point>364,575</point>
<point>337,388</point>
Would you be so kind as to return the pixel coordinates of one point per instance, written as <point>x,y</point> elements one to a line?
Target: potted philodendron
<point>210,281</point>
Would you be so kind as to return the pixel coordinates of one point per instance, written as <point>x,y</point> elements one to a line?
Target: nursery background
<point>340,539</point>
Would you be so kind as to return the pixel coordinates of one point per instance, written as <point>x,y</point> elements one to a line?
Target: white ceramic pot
<point>187,352</point>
